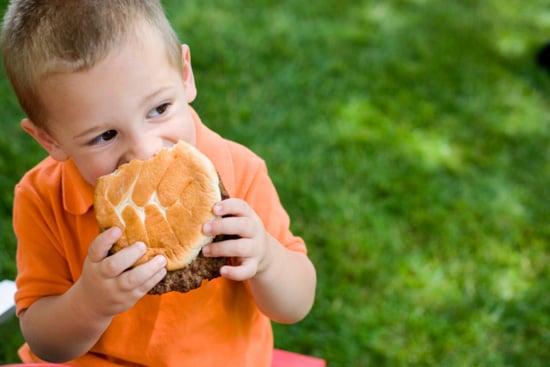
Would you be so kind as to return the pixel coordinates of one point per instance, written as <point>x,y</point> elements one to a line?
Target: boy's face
<point>127,106</point>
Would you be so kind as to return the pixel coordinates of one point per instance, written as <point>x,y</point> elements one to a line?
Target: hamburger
<point>164,202</point>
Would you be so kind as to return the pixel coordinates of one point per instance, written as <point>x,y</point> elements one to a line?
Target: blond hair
<point>42,38</point>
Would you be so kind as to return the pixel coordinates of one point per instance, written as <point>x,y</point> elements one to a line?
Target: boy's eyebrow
<point>89,131</point>
<point>155,93</point>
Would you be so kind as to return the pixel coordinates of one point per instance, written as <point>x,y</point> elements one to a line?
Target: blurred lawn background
<point>409,141</point>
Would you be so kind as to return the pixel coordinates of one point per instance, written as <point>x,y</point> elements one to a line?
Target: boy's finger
<point>227,248</point>
<point>123,259</point>
<point>244,271</point>
<point>236,207</point>
<point>145,275</point>
<point>99,248</point>
<point>241,226</point>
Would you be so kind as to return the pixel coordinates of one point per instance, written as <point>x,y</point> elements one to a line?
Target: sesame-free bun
<point>163,202</point>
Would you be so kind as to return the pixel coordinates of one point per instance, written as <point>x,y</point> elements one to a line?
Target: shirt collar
<point>215,148</point>
<point>78,195</point>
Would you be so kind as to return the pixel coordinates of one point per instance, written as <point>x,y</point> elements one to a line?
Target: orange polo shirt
<point>217,324</point>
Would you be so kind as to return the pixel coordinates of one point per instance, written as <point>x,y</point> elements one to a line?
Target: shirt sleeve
<point>42,270</point>
<point>256,187</point>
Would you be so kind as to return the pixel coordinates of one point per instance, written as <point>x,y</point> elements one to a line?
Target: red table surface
<point>281,358</point>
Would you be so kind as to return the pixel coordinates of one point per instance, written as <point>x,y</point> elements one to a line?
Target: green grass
<point>409,141</point>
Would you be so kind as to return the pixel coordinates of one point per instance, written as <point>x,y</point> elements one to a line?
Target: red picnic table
<point>281,358</point>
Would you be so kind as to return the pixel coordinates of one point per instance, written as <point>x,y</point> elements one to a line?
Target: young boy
<point>104,82</point>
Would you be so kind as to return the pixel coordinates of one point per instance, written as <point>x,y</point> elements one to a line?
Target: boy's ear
<point>45,139</point>
<point>188,78</point>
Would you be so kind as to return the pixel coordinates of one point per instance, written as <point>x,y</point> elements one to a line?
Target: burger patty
<point>191,276</point>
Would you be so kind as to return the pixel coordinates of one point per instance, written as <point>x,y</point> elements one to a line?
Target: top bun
<point>163,202</point>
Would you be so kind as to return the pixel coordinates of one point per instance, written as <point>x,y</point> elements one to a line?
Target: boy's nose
<point>143,148</point>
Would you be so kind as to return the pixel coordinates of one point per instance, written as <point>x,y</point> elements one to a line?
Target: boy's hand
<point>250,252</point>
<point>282,281</point>
<point>77,318</point>
<point>106,283</point>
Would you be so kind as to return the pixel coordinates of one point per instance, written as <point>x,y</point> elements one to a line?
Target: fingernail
<point>116,232</point>
<point>141,246</point>
<point>205,250</point>
<point>217,209</point>
<point>207,228</point>
<point>224,271</point>
<point>161,260</point>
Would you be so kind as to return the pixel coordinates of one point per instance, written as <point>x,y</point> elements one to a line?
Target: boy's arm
<point>57,330</point>
<point>284,285</point>
<point>64,327</point>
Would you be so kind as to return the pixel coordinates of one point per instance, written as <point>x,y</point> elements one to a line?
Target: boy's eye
<point>106,136</point>
<point>158,111</point>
